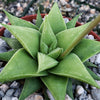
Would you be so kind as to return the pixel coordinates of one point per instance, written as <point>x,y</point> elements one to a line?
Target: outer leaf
<point>13,43</point>
<point>45,62</point>
<point>21,65</point>
<point>7,55</point>
<point>67,38</point>
<point>69,89</point>
<point>47,37</point>
<point>29,38</point>
<point>72,67</point>
<point>89,64</point>
<point>93,74</point>
<point>57,86</point>
<point>86,49</point>
<point>39,19</point>
<point>19,22</point>
<point>56,20</point>
<point>31,85</point>
<point>72,23</point>
<point>55,53</point>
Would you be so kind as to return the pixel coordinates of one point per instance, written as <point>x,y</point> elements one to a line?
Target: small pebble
<point>14,98</point>
<point>92,59</point>
<point>6,98</point>
<point>97,61</point>
<point>89,97</point>
<point>79,90</point>
<point>34,97</point>
<point>4,87</point>
<point>50,95</point>
<point>14,85</point>
<point>17,92</point>
<point>91,37</point>
<point>66,20</point>
<point>63,2</point>
<point>7,33</point>
<point>1,94</point>
<point>67,97</point>
<point>2,49</point>
<point>96,94</point>
<point>10,92</point>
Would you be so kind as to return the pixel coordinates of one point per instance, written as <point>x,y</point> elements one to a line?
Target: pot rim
<point>31,17</point>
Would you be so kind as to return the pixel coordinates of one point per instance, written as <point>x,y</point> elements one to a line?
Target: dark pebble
<point>7,33</point>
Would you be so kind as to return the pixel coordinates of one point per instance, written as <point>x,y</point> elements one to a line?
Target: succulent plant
<point>50,53</point>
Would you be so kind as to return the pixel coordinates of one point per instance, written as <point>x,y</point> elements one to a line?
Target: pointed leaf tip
<point>28,37</point>
<point>45,62</point>
<point>19,22</point>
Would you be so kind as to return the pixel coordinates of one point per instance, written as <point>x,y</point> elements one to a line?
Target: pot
<point>31,17</point>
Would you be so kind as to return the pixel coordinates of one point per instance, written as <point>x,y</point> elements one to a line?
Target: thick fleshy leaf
<point>86,49</point>
<point>93,74</point>
<point>48,38</point>
<point>5,56</point>
<point>55,53</point>
<point>39,19</point>
<point>19,22</point>
<point>72,67</point>
<point>72,23</point>
<point>69,89</point>
<point>21,65</point>
<point>12,42</point>
<point>67,39</point>
<point>45,62</point>
<point>28,37</point>
<point>56,20</point>
<point>57,86</point>
<point>31,85</point>
<point>89,64</point>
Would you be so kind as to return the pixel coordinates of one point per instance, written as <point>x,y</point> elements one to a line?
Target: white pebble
<point>14,98</point>
<point>67,97</point>
<point>50,95</point>
<point>93,58</point>
<point>91,37</point>
<point>63,2</point>
<point>98,59</point>
<point>89,97</point>
<point>79,90</point>
<point>4,87</point>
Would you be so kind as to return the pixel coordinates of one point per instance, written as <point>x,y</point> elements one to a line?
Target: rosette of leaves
<point>50,53</point>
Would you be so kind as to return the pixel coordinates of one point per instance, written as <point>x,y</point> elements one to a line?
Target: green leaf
<point>93,74</point>
<point>5,56</point>
<point>29,38</point>
<point>31,85</point>
<point>56,20</point>
<point>45,62</point>
<point>86,49</point>
<point>21,65</point>
<point>72,67</point>
<point>57,86</point>
<point>19,22</point>
<point>72,23</point>
<point>69,89</point>
<point>39,19</point>
<point>12,42</point>
<point>67,39</point>
<point>55,53</point>
<point>48,38</point>
<point>89,64</point>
